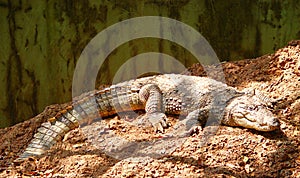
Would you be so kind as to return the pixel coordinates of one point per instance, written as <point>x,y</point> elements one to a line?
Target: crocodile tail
<point>95,105</point>
<point>49,133</point>
<point>52,131</point>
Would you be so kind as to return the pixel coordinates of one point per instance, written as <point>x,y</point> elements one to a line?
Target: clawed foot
<point>158,121</point>
<point>186,127</point>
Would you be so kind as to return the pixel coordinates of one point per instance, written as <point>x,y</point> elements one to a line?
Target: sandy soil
<point>231,152</point>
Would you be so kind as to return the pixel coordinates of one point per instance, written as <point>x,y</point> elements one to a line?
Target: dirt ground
<point>231,152</point>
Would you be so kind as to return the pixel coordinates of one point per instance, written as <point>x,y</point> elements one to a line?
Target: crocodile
<point>190,97</point>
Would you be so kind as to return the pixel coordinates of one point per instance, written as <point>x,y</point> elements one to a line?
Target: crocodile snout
<point>272,123</point>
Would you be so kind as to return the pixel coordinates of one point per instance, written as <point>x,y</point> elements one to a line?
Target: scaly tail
<point>55,128</point>
<point>96,105</point>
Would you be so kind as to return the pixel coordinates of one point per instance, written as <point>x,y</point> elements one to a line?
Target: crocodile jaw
<point>249,112</point>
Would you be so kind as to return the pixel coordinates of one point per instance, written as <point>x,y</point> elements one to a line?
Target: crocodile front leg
<point>151,97</point>
<point>191,124</point>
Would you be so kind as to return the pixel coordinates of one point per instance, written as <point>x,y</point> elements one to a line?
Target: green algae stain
<point>44,39</point>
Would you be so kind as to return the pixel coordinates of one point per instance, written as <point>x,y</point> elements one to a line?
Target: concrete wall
<point>42,40</point>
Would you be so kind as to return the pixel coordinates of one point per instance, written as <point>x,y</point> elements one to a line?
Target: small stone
<point>245,159</point>
<point>247,168</point>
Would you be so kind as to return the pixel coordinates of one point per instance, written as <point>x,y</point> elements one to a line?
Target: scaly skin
<point>189,96</point>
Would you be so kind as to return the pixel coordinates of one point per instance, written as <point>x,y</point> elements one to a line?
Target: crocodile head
<point>250,112</point>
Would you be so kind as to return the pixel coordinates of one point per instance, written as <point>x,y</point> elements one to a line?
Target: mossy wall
<point>42,40</point>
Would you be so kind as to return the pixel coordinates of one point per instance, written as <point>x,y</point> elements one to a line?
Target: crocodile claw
<point>158,121</point>
<point>186,127</point>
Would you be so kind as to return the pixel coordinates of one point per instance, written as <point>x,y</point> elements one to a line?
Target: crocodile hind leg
<point>151,97</point>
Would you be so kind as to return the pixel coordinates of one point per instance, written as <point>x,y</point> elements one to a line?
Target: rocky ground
<point>231,152</point>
